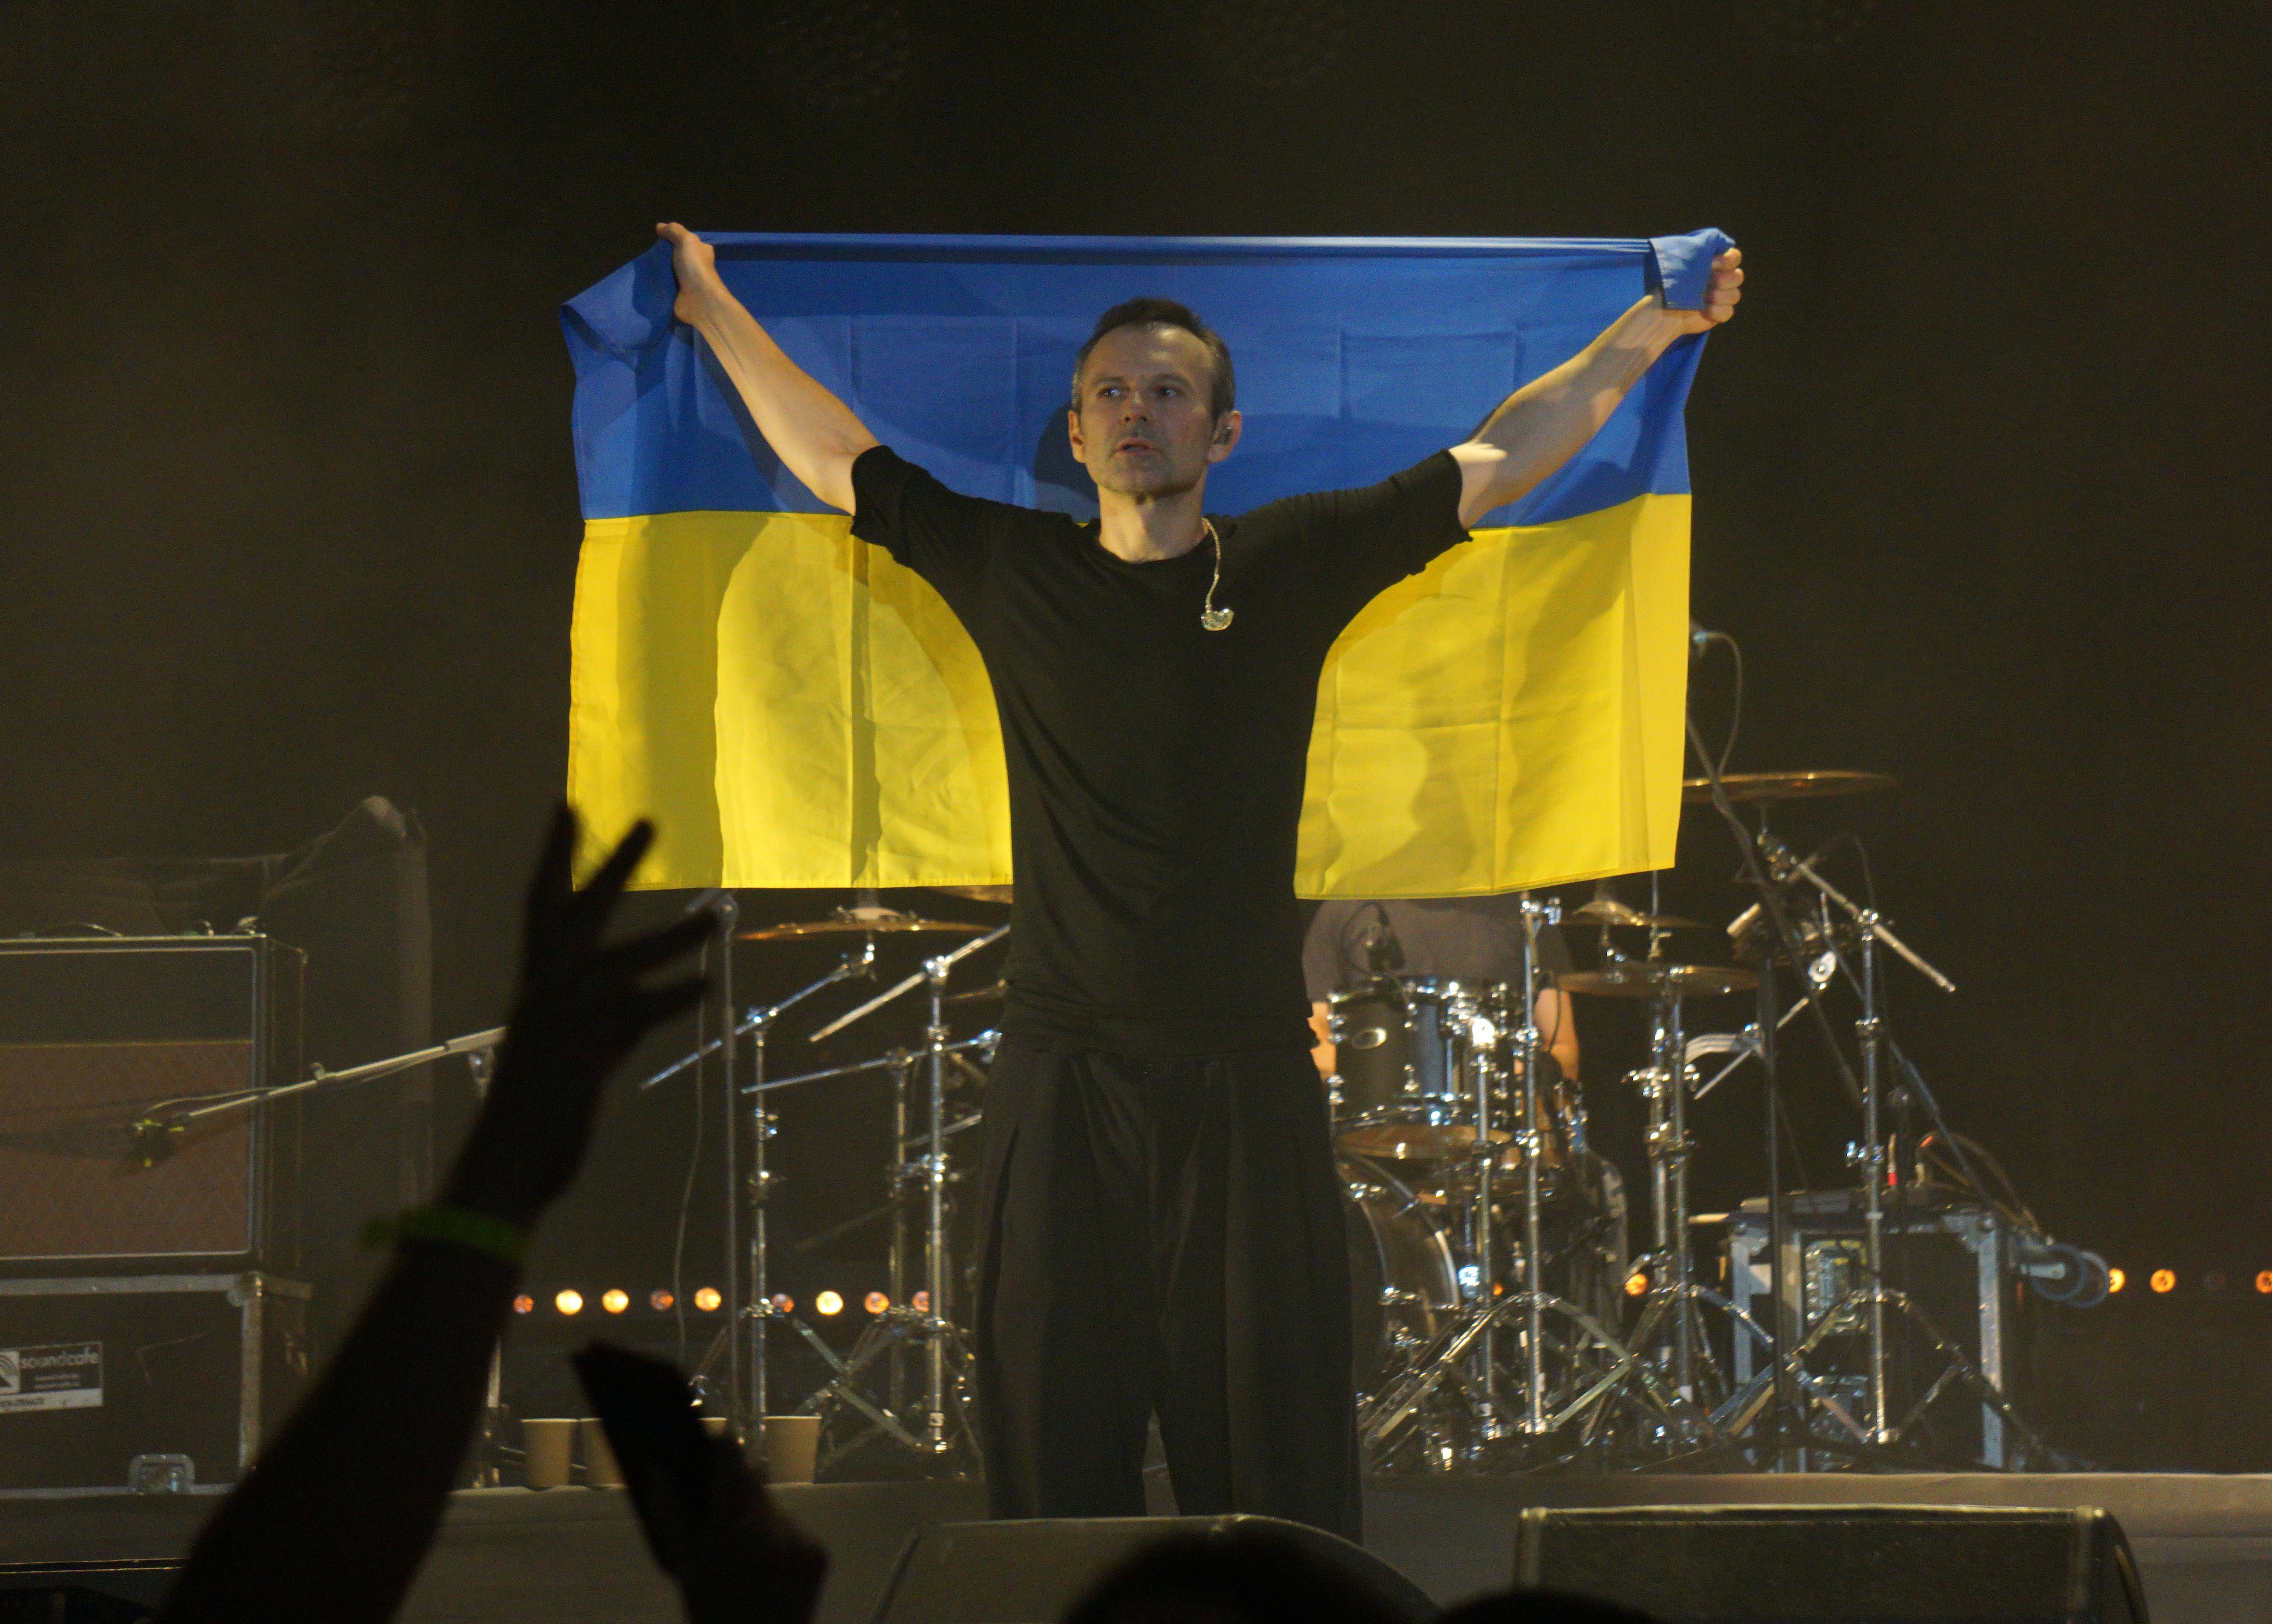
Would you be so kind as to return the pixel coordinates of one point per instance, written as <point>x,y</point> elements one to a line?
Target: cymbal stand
<point>1533,1146</point>
<point>945,1357</point>
<point>932,1324</point>
<point>747,1399</point>
<point>1664,1083</point>
<point>758,1193</point>
<point>937,1328</point>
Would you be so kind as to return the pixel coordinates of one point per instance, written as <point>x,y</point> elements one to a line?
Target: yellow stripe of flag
<point>794,709</point>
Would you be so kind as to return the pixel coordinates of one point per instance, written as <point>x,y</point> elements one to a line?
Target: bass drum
<point>1404,1279</point>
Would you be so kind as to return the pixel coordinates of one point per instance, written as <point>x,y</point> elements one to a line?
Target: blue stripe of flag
<point>1354,358</point>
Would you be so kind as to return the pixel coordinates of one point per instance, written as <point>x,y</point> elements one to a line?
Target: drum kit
<point>1500,1323</point>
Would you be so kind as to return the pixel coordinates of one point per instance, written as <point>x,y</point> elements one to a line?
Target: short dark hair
<point>1222,392</point>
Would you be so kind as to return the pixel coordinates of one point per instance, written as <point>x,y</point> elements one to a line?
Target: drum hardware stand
<point>943,1418</point>
<point>726,909</point>
<point>1532,1144</point>
<point>933,1324</point>
<point>747,1399</point>
<point>1679,1348</point>
<point>901,1320</point>
<point>1467,1346</point>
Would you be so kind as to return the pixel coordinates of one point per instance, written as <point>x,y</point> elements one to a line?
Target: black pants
<point>1164,1236</point>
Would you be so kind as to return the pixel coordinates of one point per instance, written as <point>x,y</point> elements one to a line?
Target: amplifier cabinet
<point>156,1384</point>
<point>1953,1262</point>
<point>98,1033</point>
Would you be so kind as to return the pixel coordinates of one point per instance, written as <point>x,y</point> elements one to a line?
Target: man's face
<point>1144,427</point>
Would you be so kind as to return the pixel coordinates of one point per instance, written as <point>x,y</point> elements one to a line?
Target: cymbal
<point>1609,910</point>
<point>978,995</point>
<point>1643,979</point>
<point>849,922</point>
<point>976,894</point>
<point>1800,786</point>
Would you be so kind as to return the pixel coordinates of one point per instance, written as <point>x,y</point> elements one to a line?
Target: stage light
<point>1637,1284</point>
<point>920,1302</point>
<point>568,1302</point>
<point>2162,1280</point>
<point>2264,1281</point>
<point>783,1301</point>
<point>828,1303</point>
<point>876,1302</point>
<point>659,1300</point>
<point>524,1304</point>
<point>708,1299</point>
<point>615,1300</point>
<point>2116,1280</point>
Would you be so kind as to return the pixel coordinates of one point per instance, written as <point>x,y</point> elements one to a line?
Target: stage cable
<point>1700,641</point>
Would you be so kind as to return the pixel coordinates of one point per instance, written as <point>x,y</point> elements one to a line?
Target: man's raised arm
<point>1548,421</point>
<point>813,433</point>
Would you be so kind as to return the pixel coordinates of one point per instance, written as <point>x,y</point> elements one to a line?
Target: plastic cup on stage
<point>547,1446</point>
<point>600,1468</point>
<point>718,1426</point>
<point>792,1442</point>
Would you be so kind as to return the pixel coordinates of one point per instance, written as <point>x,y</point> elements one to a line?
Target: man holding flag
<point>1160,1225</point>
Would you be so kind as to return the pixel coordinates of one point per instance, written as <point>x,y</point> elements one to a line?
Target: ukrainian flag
<point>794,709</point>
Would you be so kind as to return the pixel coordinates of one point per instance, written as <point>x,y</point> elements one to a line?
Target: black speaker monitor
<point>1032,1572</point>
<point>127,1592</point>
<point>1856,1564</point>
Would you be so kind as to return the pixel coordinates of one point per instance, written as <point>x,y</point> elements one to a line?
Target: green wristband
<point>456,1226</point>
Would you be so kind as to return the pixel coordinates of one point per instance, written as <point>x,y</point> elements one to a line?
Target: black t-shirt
<point>1156,767</point>
<point>1450,939</point>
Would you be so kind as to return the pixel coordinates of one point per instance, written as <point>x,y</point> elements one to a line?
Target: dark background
<point>287,516</point>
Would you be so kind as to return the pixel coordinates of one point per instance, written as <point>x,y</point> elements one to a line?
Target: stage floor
<point>2204,1542</point>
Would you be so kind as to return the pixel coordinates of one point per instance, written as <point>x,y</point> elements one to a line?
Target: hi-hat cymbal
<point>861,922</point>
<point>1644,979</point>
<point>976,894</point>
<point>1800,786</point>
<point>1609,910</point>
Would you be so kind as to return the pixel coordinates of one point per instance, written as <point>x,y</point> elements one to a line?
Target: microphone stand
<point>1875,1045</point>
<point>1787,1422</point>
<point>156,1129</point>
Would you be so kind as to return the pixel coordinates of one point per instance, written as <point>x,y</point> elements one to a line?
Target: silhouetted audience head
<point>1541,1607</point>
<point>1241,1575</point>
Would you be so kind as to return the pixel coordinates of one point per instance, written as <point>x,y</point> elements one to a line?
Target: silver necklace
<point>1213,618</point>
